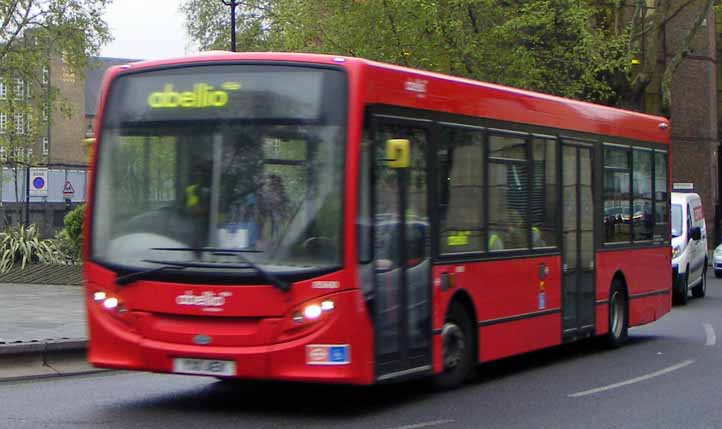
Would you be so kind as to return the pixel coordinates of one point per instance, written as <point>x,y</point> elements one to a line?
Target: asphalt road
<point>669,375</point>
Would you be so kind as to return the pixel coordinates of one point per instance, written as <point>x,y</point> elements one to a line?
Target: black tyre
<point>717,273</point>
<point>458,349</point>
<point>682,292</point>
<point>700,290</point>
<point>618,316</point>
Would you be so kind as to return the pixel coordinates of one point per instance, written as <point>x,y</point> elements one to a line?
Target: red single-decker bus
<point>330,219</point>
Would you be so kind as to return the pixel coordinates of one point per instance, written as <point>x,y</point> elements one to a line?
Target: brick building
<point>59,148</point>
<point>695,110</point>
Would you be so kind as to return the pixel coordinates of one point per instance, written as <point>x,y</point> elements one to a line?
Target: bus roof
<point>395,85</point>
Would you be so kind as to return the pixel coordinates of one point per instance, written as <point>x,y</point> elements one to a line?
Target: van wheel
<point>618,316</point>
<point>718,273</point>
<point>683,291</point>
<point>457,349</point>
<point>700,290</point>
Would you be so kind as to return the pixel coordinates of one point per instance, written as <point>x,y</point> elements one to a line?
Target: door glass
<point>402,245</point>
<point>570,225</point>
<point>387,264</point>
<point>587,209</point>
<point>418,242</point>
<point>569,181</point>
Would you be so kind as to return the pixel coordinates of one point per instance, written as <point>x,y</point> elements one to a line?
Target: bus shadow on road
<point>559,355</point>
<point>272,399</point>
<point>262,399</point>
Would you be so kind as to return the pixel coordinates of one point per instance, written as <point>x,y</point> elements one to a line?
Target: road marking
<point>424,424</point>
<point>633,380</point>
<point>711,337</point>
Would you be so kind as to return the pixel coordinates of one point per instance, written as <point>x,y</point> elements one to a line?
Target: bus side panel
<point>647,273</point>
<point>520,336</point>
<point>516,310</point>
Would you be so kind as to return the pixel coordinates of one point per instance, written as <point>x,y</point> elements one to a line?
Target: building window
<point>3,155</point>
<point>3,91</point>
<point>45,113</point>
<point>29,125</point>
<point>46,75</point>
<point>46,146</point>
<point>3,122</point>
<point>68,74</point>
<point>19,88</point>
<point>19,123</point>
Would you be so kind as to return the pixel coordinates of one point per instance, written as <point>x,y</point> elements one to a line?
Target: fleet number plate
<point>204,366</point>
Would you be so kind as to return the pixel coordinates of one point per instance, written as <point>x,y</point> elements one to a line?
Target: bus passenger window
<point>461,190</point>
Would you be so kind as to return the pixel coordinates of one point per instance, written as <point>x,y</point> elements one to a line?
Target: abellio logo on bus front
<point>202,96</point>
<point>209,301</point>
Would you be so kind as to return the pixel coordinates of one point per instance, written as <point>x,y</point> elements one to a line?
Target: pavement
<point>42,331</point>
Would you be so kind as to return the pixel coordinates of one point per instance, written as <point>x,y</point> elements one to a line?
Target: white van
<point>689,247</point>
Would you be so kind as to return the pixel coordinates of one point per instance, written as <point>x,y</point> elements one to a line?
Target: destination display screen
<point>226,92</point>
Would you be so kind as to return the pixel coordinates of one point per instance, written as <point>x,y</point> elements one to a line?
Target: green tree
<point>32,33</point>
<point>583,49</point>
<point>545,45</point>
<point>644,24</point>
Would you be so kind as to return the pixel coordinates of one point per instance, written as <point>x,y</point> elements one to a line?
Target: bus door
<point>402,248</point>
<point>577,242</point>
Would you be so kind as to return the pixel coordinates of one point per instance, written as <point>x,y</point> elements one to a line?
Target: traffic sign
<point>68,190</point>
<point>38,182</point>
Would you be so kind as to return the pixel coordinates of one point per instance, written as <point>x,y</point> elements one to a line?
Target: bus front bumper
<point>114,344</point>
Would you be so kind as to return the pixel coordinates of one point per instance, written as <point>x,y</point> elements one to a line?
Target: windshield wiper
<point>275,281</point>
<point>130,278</point>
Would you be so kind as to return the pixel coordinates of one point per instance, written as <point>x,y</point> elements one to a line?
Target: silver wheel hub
<point>617,314</point>
<point>454,345</point>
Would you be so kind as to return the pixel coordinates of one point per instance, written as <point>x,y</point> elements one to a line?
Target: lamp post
<point>232,4</point>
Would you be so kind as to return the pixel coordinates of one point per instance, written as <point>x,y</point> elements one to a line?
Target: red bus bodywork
<point>255,328</point>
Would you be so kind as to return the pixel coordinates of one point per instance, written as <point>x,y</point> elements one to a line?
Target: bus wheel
<point>700,290</point>
<point>457,349</point>
<point>618,316</point>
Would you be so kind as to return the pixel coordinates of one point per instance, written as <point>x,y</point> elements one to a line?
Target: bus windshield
<point>242,158</point>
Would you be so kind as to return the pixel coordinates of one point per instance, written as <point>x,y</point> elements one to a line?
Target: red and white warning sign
<point>68,190</point>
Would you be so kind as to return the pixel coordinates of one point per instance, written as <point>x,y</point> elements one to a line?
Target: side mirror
<point>695,233</point>
<point>397,153</point>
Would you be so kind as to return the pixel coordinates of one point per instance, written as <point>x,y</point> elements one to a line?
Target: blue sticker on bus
<point>338,354</point>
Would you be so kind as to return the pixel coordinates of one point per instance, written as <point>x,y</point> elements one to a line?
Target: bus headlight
<point>316,310</point>
<point>110,303</point>
<point>312,311</point>
<point>307,316</point>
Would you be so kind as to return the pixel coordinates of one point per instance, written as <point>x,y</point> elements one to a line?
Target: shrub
<point>20,244</point>
<point>69,240</point>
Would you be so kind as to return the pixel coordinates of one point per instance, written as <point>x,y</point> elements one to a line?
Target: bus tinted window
<point>617,213</point>
<point>544,189</point>
<point>508,194</point>
<point>642,219</point>
<point>461,190</point>
<point>661,196</point>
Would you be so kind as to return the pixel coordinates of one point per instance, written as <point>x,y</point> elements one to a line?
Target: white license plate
<point>204,366</point>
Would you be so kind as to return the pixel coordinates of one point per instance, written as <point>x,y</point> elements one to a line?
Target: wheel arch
<point>619,277</point>
<point>462,298</point>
